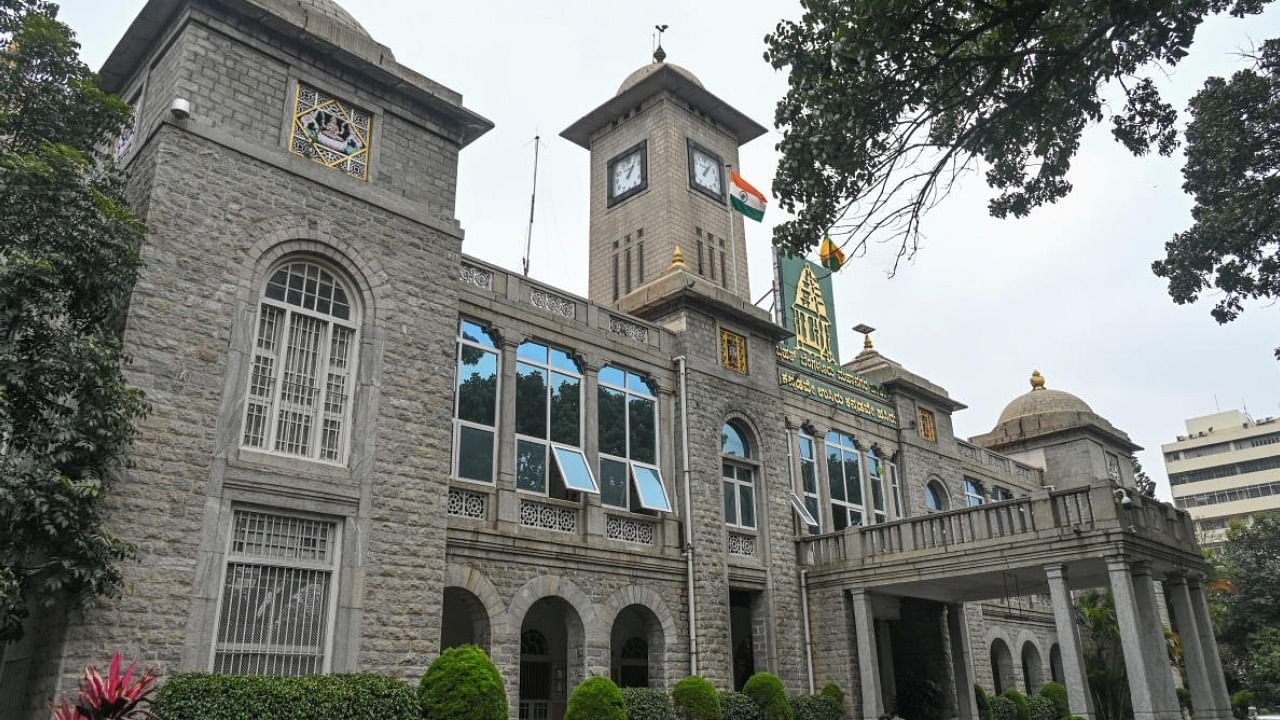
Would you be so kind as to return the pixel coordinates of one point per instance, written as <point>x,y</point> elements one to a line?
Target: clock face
<point>706,171</point>
<point>627,174</point>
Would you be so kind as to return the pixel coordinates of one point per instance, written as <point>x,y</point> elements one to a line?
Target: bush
<point>647,704</point>
<point>833,691</point>
<point>766,691</point>
<point>1002,708</point>
<point>198,696</point>
<point>695,699</point>
<point>1057,694</point>
<point>597,698</point>
<point>1184,698</point>
<point>1019,702</point>
<point>984,702</point>
<point>1042,708</point>
<point>736,706</point>
<point>920,698</point>
<point>462,684</point>
<point>1240,703</point>
<point>815,707</point>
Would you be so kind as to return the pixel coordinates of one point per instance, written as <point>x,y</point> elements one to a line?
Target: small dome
<point>326,8</point>
<point>634,78</point>
<point>1042,401</point>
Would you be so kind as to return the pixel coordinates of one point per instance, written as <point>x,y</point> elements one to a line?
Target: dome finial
<point>677,260</point>
<point>660,55</point>
<point>1037,380</point>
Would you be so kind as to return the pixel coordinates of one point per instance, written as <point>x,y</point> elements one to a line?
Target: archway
<point>465,620</point>
<point>1032,674</point>
<point>1002,667</point>
<point>1055,664</point>
<point>636,648</point>
<point>551,650</point>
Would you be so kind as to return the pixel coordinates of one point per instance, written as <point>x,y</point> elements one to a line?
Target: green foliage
<point>1103,656</point>
<point>815,707</point>
<point>1002,708</point>
<point>889,101</point>
<point>68,262</point>
<point>1241,702</point>
<point>597,698</point>
<point>920,698</point>
<point>199,696</point>
<point>1019,702</point>
<point>1042,708</point>
<point>983,701</point>
<point>1184,698</point>
<point>1057,694</point>
<point>463,684</point>
<point>766,691</point>
<point>1247,606</point>
<point>695,699</point>
<point>1232,156</point>
<point>736,706</point>
<point>647,704</point>
<point>834,692</point>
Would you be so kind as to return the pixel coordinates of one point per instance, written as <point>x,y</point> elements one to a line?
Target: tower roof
<point>645,71</point>
<point>1042,401</point>
<point>1044,412</point>
<point>301,11</point>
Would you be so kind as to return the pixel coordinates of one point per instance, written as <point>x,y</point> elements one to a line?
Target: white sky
<point>1068,291</point>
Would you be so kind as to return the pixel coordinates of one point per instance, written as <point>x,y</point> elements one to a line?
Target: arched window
<point>304,362</point>
<point>844,476</point>
<point>935,497</point>
<point>738,477</point>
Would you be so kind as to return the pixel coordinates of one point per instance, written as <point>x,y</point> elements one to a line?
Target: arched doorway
<point>1002,667</point>
<point>1032,674</point>
<point>465,620</point>
<point>551,653</point>
<point>1055,664</point>
<point>636,648</point>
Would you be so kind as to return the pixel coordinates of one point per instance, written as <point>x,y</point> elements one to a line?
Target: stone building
<point>365,446</point>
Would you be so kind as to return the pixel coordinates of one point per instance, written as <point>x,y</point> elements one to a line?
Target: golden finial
<point>866,342</point>
<point>1037,380</point>
<point>677,260</point>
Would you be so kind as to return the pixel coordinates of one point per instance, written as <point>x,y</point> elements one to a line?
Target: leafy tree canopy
<point>891,100</point>
<point>68,262</point>
<point>1248,606</point>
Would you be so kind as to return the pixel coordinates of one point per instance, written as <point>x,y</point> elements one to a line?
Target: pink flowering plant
<point>114,697</point>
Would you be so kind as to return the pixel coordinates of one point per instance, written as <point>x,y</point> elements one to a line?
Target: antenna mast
<point>533,198</point>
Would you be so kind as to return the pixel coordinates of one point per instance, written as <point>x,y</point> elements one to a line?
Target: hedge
<point>815,707</point>
<point>1019,702</point>
<point>199,696</point>
<point>695,699</point>
<point>647,704</point>
<point>1057,693</point>
<point>833,691</point>
<point>462,684</point>
<point>1002,708</point>
<point>766,691</point>
<point>1042,708</point>
<point>736,706</point>
<point>983,700</point>
<point>597,698</point>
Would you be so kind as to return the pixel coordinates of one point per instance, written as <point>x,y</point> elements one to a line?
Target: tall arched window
<point>935,497</point>
<point>304,361</point>
<point>844,476</point>
<point>738,478</point>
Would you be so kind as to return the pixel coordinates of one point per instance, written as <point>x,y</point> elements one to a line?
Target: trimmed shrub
<point>1042,708</point>
<point>1057,694</point>
<point>1240,703</point>
<point>597,698</point>
<point>199,696</point>
<point>736,706</point>
<point>983,700</point>
<point>1019,702</point>
<point>1002,708</point>
<point>462,684</point>
<point>833,691</point>
<point>647,704</point>
<point>920,698</point>
<point>815,707</point>
<point>766,691</point>
<point>695,699</point>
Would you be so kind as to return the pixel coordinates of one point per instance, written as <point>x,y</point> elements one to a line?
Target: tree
<point>68,261</point>
<point>891,100</point>
<point>1233,172</point>
<point>1248,606</point>
<point>1146,486</point>
<point>1103,656</point>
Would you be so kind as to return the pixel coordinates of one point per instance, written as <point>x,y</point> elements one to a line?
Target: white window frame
<point>973,493</point>
<point>334,568</point>
<point>273,408</point>
<point>546,442</point>
<point>944,498</point>
<point>738,483</point>
<point>631,465</point>
<point>878,516</point>
<point>458,423</point>
<point>803,493</point>
<point>895,490</point>
<point>843,447</point>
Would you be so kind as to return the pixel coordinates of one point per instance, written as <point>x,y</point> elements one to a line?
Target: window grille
<point>275,616</point>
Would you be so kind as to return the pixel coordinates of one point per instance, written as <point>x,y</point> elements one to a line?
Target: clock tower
<point>659,149</point>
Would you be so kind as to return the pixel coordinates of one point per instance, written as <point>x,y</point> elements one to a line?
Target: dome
<point>1042,401</point>
<point>321,8</point>
<point>634,78</point>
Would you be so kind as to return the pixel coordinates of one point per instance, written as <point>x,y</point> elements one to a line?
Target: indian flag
<point>746,199</point>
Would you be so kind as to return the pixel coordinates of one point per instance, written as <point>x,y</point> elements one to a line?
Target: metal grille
<point>548,517</point>
<point>628,530</point>
<point>744,545</point>
<point>262,383</point>
<point>274,617</point>
<point>463,503</point>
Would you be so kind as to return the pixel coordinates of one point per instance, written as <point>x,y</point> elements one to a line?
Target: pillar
<point>1209,647</point>
<point>1069,645</point>
<point>888,681</point>
<point>1193,654</point>
<point>868,664</point>
<point>1138,665</point>
<point>961,661</point>
<point>1164,696</point>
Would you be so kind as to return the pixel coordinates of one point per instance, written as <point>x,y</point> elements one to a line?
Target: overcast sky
<point>1068,291</point>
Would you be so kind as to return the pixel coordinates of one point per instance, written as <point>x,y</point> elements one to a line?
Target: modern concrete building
<point>365,446</point>
<point>1227,467</point>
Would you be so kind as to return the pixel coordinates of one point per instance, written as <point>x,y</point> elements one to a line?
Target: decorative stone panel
<point>479,277</point>
<point>742,545</point>
<point>548,517</point>
<point>553,303</point>
<point>628,329</point>
<point>629,530</point>
<point>467,504</point>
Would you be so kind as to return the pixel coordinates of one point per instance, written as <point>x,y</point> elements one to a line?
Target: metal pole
<point>688,513</point>
<point>533,197</point>
<point>733,247</point>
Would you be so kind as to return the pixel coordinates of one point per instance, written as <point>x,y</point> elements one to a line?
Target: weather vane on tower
<point>659,54</point>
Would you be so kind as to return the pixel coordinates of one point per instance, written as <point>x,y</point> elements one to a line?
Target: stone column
<point>1138,666</point>
<point>1192,651</point>
<point>1064,619</point>
<point>1209,647</point>
<point>962,661</point>
<point>888,682</point>
<point>1164,697</point>
<point>592,508</point>
<point>508,510</point>
<point>868,666</point>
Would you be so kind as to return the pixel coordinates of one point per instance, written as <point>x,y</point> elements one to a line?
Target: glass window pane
<point>835,474</point>
<point>637,384</point>
<point>477,385</point>
<point>811,504</point>
<point>560,360</point>
<point>931,498</point>
<point>613,421</point>
<point>726,470</point>
<point>475,454</point>
<point>839,517</point>
<point>806,448</point>
<point>732,442</point>
<point>877,493</point>
<point>574,469</point>
<point>644,440</point>
<point>477,334</point>
<point>613,483</point>
<point>802,510</point>
<point>531,401</point>
<point>730,504</point>
<point>747,506</point>
<point>855,517</point>
<point>653,496</point>
<point>566,401</point>
<point>532,351</point>
<point>808,476</point>
<point>531,466</point>
<point>612,376</point>
<point>852,479</point>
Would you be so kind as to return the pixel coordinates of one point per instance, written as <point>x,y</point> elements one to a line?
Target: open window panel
<point>649,488</point>
<point>574,469</point>
<point>805,516</point>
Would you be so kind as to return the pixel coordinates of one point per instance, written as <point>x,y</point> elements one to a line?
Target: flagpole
<point>733,247</point>
<point>778,310</point>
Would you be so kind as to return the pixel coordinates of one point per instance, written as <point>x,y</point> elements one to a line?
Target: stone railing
<point>998,462</point>
<point>1045,515</point>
